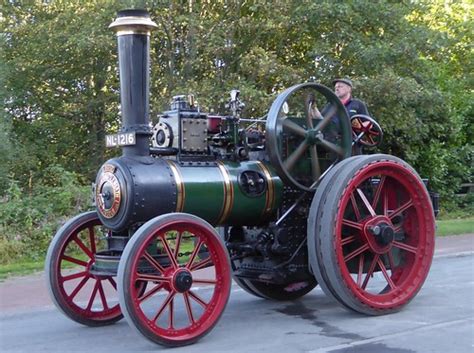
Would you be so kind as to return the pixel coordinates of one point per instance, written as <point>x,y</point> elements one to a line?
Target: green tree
<point>411,61</point>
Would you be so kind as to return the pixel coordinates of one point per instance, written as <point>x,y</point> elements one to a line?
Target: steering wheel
<point>302,145</point>
<point>366,131</point>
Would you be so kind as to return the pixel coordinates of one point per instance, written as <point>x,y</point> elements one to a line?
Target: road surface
<point>439,319</point>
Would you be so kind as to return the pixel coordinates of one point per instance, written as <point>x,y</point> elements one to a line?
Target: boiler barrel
<point>131,191</point>
<point>232,193</point>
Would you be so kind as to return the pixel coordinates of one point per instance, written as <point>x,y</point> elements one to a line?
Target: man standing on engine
<point>343,90</point>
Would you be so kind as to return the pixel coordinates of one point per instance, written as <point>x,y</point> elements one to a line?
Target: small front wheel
<point>85,298</point>
<point>186,292</point>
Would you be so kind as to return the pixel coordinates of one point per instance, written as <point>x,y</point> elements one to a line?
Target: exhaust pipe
<point>133,29</point>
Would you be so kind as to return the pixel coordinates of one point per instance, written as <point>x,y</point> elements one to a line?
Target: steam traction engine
<point>292,207</point>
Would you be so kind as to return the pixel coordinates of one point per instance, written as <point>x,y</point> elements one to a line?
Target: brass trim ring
<point>228,194</point>
<point>270,195</point>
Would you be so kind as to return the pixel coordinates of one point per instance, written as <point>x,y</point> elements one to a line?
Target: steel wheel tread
<point>134,251</point>
<point>316,263</point>
<point>349,294</point>
<point>55,255</point>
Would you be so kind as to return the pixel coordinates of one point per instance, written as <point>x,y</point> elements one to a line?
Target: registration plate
<point>122,139</point>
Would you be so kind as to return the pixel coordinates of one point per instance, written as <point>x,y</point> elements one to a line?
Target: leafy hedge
<point>29,217</point>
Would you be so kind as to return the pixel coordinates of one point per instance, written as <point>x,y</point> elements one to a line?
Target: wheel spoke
<point>378,192</point>
<point>404,246</point>
<point>152,278</point>
<point>194,253</point>
<point>356,252</point>
<point>352,224</point>
<point>153,262</point>
<point>348,240</point>
<point>74,260</point>
<point>93,294</point>
<point>309,115</point>
<point>78,287</point>
<point>361,270</point>
<point>92,239</point>
<point>355,207</point>
<point>197,299</point>
<point>112,282</point>
<point>171,313</point>
<point>401,209</point>
<point>385,274</point>
<point>74,276</point>
<point>390,261</point>
<point>156,289</point>
<point>370,271</point>
<point>178,243</point>
<point>204,281</point>
<point>174,263</point>
<point>83,247</point>
<point>331,146</point>
<point>385,203</point>
<point>164,305</point>
<point>290,162</point>
<point>315,168</point>
<point>326,118</point>
<point>293,127</point>
<point>366,202</point>
<point>102,296</point>
<point>202,264</point>
<point>188,308</point>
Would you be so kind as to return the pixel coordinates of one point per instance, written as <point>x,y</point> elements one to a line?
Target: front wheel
<point>186,266</point>
<point>85,298</point>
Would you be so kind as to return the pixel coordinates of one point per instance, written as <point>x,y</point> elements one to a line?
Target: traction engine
<point>276,204</point>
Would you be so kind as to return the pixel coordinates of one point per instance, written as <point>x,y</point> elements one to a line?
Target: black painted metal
<point>148,190</point>
<point>134,66</point>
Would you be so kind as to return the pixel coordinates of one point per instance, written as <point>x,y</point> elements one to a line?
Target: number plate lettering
<point>123,139</point>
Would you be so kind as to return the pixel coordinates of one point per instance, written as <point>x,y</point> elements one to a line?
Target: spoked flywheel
<point>373,232</point>
<point>300,143</point>
<point>187,269</point>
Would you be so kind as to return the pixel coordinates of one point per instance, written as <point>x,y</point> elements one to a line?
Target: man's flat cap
<point>343,80</point>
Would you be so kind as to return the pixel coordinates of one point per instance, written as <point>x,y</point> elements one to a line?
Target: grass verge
<point>455,226</point>
<point>20,268</point>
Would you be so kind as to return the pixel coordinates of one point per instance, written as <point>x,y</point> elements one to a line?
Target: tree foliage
<point>411,62</point>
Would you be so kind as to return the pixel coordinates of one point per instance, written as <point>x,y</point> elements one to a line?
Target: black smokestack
<point>133,28</point>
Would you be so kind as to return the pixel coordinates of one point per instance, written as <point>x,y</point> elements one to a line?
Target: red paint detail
<point>72,300</point>
<point>399,187</point>
<point>198,324</point>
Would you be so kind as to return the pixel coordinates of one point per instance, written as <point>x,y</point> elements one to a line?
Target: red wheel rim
<point>183,249</point>
<point>384,267</point>
<point>87,295</point>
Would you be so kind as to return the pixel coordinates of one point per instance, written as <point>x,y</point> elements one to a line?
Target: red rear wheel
<point>376,233</point>
<point>187,269</point>
<point>85,298</point>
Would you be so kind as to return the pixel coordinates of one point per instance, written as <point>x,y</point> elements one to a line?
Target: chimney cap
<point>133,21</point>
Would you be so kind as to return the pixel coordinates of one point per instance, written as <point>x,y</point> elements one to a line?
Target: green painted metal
<point>203,191</point>
<point>213,193</point>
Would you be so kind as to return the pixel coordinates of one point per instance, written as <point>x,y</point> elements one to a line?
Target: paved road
<point>439,319</point>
